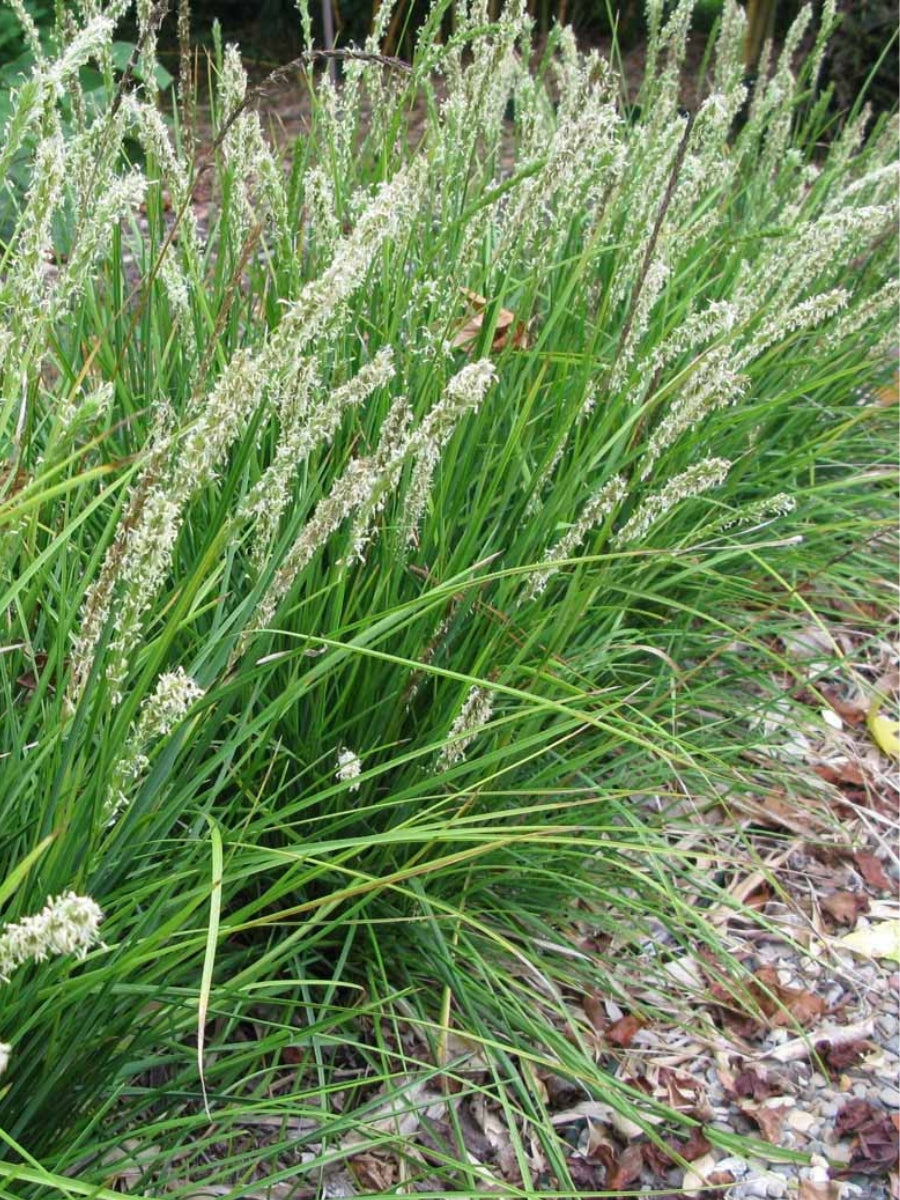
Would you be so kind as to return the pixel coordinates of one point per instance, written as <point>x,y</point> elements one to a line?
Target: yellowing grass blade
<point>209,958</point>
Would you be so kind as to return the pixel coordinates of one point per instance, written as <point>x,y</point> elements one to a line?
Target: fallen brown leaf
<point>763,1002</point>
<point>373,1173</point>
<point>622,1032</point>
<point>869,866</point>
<point>780,811</point>
<point>852,712</point>
<point>586,1176</point>
<point>846,773</point>
<point>751,1084</point>
<point>769,1117</point>
<point>845,907</point>
<point>719,1179</point>
<point>594,1011</point>
<point>660,1159</point>
<point>839,1057</point>
<point>627,1169</point>
<point>854,1115</point>
<point>12,480</point>
<point>889,395</point>
<point>875,1148</point>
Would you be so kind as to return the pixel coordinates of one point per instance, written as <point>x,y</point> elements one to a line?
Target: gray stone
<point>738,1167</point>
<point>755,1189</point>
<point>887,1026</point>
<point>889,1096</point>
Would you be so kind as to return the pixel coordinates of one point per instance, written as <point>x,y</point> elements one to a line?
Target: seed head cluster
<point>468,723</point>
<point>67,924</point>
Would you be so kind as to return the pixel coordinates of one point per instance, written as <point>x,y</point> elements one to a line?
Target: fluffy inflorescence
<point>185,461</point>
<point>475,713</point>
<point>349,768</point>
<point>166,707</point>
<point>68,924</point>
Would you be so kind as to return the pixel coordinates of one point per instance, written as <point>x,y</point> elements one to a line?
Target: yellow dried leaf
<point>885,732</point>
<point>876,941</point>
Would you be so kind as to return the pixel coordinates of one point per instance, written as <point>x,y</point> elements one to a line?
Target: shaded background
<point>268,32</point>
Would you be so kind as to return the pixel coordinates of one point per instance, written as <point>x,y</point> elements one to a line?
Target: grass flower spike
<point>471,719</point>
<point>68,924</point>
<point>349,768</point>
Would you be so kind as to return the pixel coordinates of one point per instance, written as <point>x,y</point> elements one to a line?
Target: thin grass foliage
<point>366,665</point>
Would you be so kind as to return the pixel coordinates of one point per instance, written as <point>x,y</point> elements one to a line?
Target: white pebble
<point>738,1167</point>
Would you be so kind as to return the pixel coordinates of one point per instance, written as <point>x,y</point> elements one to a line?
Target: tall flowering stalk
<point>696,480</point>
<point>362,491</point>
<point>165,708</point>
<point>184,462</point>
<point>596,512</point>
<point>307,421</point>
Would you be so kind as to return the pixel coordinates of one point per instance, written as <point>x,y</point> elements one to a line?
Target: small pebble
<point>801,1120</point>
<point>887,1026</point>
<point>755,1189</point>
<point>738,1167</point>
<point>889,1096</point>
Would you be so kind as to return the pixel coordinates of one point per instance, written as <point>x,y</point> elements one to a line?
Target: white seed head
<point>349,768</point>
<point>68,924</point>
<point>693,482</point>
<point>598,509</point>
<point>169,703</point>
<point>471,719</point>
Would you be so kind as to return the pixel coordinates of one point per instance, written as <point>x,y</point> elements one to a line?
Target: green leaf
<point>121,56</point>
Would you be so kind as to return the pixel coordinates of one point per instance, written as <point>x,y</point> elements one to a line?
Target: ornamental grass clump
<point>362,659</point>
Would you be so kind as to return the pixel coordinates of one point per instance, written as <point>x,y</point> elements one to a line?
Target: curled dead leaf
<point>508,330</point>
<point>622,1032</point>
<point>875,1149</point>
<point>770,1116</point>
